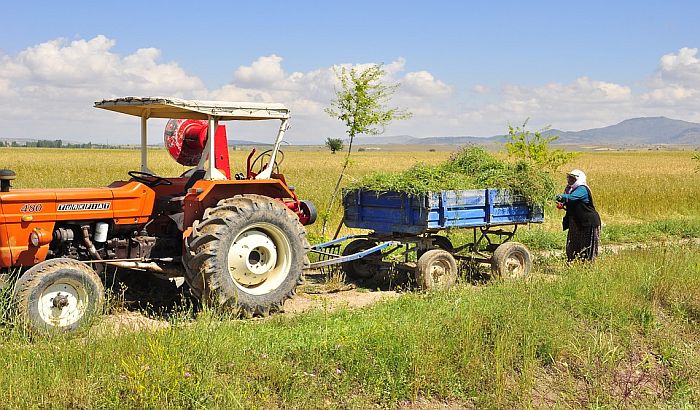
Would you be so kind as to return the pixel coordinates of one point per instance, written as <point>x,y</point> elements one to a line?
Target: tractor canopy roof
<point>168,107</point>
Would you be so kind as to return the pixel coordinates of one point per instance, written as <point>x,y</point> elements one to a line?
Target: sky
<point>466,68</point>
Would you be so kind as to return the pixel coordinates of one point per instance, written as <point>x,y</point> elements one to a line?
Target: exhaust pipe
<point>6,176</point>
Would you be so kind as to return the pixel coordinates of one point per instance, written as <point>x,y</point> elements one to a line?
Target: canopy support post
<point>144,142</point>
<point>267,172</point>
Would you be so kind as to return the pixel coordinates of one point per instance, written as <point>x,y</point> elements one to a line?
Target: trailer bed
<point>400,212</point>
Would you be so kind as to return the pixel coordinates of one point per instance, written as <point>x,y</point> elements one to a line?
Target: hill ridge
<point>638,130</point>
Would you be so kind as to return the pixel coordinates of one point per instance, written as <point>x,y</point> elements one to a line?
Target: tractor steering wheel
<point>266,155</point>
<point>148,179</point>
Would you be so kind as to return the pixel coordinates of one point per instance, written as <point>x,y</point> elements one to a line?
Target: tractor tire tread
<point>207,277</point>
<point>31,278</point>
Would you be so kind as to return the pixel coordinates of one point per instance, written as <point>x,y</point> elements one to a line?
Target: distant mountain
<point>635,131</point>
<point>247,143</point>
<point>645,130</point>
<point>408,140</point>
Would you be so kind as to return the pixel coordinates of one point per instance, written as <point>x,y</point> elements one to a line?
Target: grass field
<point>630,188</point>
<point>622,333</point>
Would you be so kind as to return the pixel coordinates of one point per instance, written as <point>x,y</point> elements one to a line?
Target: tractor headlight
<point>39,237</point>
<point>34,239</point>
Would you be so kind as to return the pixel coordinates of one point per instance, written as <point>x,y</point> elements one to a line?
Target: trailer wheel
<point>436,269</point>
<point>362,268</point>
<point>58,295</point>
<point>511,260</point>
<point>247,253</point>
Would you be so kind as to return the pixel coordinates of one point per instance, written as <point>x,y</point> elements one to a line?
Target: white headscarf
<point>580,179</point>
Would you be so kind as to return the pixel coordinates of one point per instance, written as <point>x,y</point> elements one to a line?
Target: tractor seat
<point>196,176</point>
<point>173,203</point>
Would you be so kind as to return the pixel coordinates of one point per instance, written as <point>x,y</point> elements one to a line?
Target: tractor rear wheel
<point>58,295</point>
<point>247,253</point>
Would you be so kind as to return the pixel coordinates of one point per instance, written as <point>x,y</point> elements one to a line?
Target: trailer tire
<point>246,254</point>
<point>436,269</point>
<point>58,295</point>
<point>362,268</point>
<point>511,260</point>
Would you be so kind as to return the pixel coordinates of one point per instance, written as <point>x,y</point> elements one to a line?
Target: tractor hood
<point>167,107</point>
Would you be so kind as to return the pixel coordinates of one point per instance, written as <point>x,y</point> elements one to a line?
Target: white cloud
<point>392,69</point>
<point>675,82</point>
<point>70,64</point>
<point>682,67</point>
<point>481,89</point>
<point>672,91</point>
<point>582,103</point>
<point>265,70</point>
<point>669,95</point>
<point>422,83</point>
<point>47,91</point>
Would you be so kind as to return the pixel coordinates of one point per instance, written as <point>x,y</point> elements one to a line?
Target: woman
<point>581,219</point>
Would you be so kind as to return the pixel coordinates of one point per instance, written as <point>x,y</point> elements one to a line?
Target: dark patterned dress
<point>583,222</point>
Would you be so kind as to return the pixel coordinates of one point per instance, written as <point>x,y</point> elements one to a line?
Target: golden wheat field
<point>629,187</point>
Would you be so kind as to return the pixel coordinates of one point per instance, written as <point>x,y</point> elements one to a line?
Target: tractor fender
<point>207,193</point>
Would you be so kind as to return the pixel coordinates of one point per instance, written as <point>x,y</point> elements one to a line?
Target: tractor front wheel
<point>247,253</point>
<point>58,294</point>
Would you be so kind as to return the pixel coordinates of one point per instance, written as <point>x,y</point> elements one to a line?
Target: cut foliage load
<point>471,168</point>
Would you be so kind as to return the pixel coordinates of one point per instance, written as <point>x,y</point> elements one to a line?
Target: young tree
<point>523,144</point>
<point>334,144</point>
<point>361,104</point>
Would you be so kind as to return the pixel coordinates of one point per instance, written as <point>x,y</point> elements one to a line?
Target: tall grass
<point>623,332</point>
<point>643,185</point>
<point>629,187</point>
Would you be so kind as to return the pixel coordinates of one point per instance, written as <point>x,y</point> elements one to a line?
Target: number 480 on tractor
<point>238,240</point>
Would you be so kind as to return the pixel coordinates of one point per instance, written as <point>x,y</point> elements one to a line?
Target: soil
<point>140,301</point>
<point>351,298</point>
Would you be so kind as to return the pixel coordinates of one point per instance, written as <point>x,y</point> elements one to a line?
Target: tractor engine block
<point>69,241</point>
<point>137,247</point>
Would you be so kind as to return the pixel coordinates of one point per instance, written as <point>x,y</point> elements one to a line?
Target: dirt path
<point>352,298</point>
<point>617,248</point>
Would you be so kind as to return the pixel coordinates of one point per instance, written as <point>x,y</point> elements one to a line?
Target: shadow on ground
<point>139,291</point>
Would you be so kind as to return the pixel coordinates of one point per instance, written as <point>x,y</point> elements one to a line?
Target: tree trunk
<point>337,187</point>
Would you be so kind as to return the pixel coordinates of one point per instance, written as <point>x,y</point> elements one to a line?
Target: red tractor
<point>239,242</point>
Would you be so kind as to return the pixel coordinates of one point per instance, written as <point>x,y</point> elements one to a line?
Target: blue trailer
<point>410,225</point>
